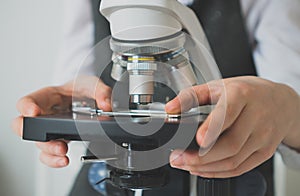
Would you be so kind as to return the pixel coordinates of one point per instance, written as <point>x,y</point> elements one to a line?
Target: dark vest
<point>224,27</point>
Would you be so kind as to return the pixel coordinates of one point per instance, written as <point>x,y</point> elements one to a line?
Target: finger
<point>186,99</point>
<point>197,95</point>
<point>103,96</point>
<point>257,158</point>
<point>17,126</point>
<point>44,101</point>
<point>252,145</point>
<point>54,147</point>
<point>51,100</point>
<point>189,98</point>
<point>182,159</point>
<point>91,87</point>
<point>28,107</point>
<point>228,145</point>
<point>227,110</point>
<point>232,139</point>
<point>54,161</point>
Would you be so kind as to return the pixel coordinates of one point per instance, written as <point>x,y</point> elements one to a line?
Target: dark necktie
<point>224,27</point>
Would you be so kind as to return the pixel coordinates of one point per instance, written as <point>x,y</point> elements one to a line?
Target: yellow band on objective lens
<point>140,58</point>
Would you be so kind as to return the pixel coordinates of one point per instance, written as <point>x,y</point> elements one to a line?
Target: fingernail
<point>204,150</point>
<point>170,107</point>
<point>104,105</point>
<point>32,111</point>
<point>199,139</point>
<point>205,140</point>
<point>61,162</point>
<point>176,159</point>
<point>107,100</point>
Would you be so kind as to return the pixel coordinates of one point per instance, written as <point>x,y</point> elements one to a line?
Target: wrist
<point>292,138</point>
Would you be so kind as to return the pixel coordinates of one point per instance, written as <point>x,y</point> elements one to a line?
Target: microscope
<point>146,35</point>
<point>157,49</point>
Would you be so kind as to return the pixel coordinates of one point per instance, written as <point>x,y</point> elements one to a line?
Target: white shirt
<point>273,28</point>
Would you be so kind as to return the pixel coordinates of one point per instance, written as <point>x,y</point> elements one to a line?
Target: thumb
<point>27,107</point>
<point>189,98</point>
<point>103,96</point>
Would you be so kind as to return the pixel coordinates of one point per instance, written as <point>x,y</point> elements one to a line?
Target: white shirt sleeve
<point>277,53</point>
<point>289,156</point>
<point>78,39</point>
<point>274,28</point>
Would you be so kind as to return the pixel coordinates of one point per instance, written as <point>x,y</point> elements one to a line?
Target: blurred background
<point>30,38</point>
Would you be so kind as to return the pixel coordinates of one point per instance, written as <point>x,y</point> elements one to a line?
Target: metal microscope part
<point>201,111</point>
<point>163,60</point>
<point>96,159</point>
<point>128,178</point>
<point>65,126</point>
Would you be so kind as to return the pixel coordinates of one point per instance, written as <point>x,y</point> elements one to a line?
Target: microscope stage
<point>83,127</point>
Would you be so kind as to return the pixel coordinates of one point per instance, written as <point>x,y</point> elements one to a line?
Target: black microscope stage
<point>76,126</point>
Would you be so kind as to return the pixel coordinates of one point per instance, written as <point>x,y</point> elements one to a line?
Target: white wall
<point>30,34</point>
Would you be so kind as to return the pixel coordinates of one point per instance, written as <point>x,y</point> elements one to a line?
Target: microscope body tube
<point>141,81</point>
<point>139,20</point>
<point>135,26</point>
<point>135,21</point>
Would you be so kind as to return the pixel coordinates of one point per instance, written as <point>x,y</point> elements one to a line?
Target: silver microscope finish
<point>147,34</point>
<point>162,60</point>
